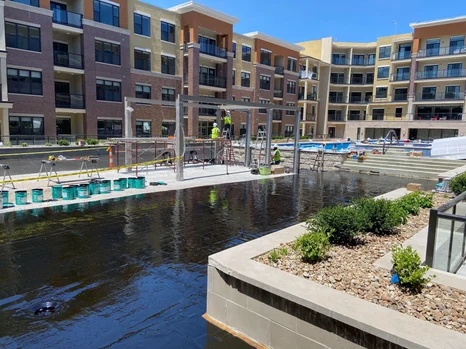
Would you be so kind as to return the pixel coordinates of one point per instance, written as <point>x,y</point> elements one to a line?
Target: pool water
<point>338,146</point>
<point>132,272</point>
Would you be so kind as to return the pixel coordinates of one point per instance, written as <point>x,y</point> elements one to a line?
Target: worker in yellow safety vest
<point>276,156</point>
<point>215,131</point>
<point>227,123</point>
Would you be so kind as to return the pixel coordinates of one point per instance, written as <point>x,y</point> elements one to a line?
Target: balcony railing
<point>341,61</point>
<point>440,96</point>
<point>359,117</point>
<point>278,93</point>
<point>400,76</point>
<point>358,100</point>
<point>438,117</point>
<point>277,115</point>
<point>337,99</point>
<point>363,62</point>
<point>336,118</point>
<point>68,18</point>
<point>401,97</point>
<point>449,73</point>
<point>396,56</point>
<point>310,75</point>
<point>309,97</point>
<point>279,70</point>
<point>213,50</point>
<point>207,112</point>
<point>361,81</point>
<point>442,51</point>
<point>69,60</point>
<point>212,80</point>
<point>309,117</point>
<point>72,101</point>
<point>338,80</point>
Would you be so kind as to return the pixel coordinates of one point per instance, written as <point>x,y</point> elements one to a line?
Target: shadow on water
<point>131,272</point>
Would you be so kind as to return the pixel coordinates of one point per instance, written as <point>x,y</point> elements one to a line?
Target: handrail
<point>390,134</point>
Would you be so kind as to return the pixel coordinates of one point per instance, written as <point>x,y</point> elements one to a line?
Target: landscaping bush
<point>413,202</point>
<point>380,216</point>
<point>63,142</point>
<point>313,246</point>
<point>24,144</point>
<point>275,254</point>
<point>407,264</point>
<point>458,184</point>
<point>92,141</point>
<point>340,223</point>
<point>8,144</point>
<point>48,144</point>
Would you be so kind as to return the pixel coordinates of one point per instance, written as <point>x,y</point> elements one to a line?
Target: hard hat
<point>215,124</point>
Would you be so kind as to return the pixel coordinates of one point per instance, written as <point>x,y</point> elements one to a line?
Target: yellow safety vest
<point>227,120</point>
<point>276,155</point>
<point>215,132</point>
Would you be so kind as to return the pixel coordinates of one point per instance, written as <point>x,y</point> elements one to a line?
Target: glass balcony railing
<point>341,61</point>
<point>337,99</point>
<point>361,81</point>
<point>442,51</point>
<point>358,100</point>
<point>336,117</point>
<point>404,76</point>
<point>212,80</point>
<point>279,70</point>
<point>396,56</point>
<point>440,96</point>
<point>338,80</point>
<point>310,75</point>
<point>441,74</point>
<point>309,97</point>
<point>278,93</point>
<point>72,101</point>
<point>69,60</point>
<point>71,19</point>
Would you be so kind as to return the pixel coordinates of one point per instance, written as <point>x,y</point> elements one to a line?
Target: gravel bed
<point>351,269</point>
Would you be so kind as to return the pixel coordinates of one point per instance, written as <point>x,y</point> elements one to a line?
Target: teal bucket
<point>5,198</point>
<point>21,197</point>
<point>68,193</point>
<point>105,187</point>
<point>140,182</point>
<point>94,188</point>
<point>132,182</point>
<point>123,183</point>
<point>57,192</point>
<point>75,190</point>
<point>37,195</point>
<point>83,191</point>
<point>117,185</point>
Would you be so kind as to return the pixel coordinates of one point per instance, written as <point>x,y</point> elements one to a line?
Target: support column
<point>412,87</point>
<point>218,119</point>
<point>3,79</point>
<point>268,133</point>
<point>247,154</point>
<point>193,87</point>
<point>179,139</point>
<point>229,75</point>
<point>296,142</point>
<point>5,131</point>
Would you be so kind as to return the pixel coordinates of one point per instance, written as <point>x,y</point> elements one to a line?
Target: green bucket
<point>37,195</point>
<point>265,170</point>
<point>123,183</point>
<point>94,188</point>
<point>83,191</point>
<point>57,192</point>
<point>105,187</point>
<point>5,198</point>
<point>75,190</point>
<point>117,185</point>
<point>132,182</point>
<point>21,197</point>
<point>140,182</point>
<point>68,193</point>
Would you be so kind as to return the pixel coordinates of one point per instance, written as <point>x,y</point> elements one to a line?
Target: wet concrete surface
<point>131,272</point>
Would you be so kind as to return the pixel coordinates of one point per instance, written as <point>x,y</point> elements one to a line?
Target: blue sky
<point>361,21</point>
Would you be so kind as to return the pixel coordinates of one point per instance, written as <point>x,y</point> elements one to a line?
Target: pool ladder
<point>319,160</point>
<point>258,154</point>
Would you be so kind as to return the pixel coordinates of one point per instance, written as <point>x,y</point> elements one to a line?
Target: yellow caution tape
<point>53,151</point>
<point>153,162</point>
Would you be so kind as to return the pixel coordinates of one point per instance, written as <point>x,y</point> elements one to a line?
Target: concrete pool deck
<point>194,176</point>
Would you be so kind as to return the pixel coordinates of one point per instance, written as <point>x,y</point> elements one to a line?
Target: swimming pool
<point>338,146</point>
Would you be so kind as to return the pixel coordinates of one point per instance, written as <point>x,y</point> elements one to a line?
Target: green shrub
<point>458,184</point>
<point>426,200</point>
<point>380,216</point>
<point>92,141</point>
<point>413,202</point>
<point>283,251</point>
<point>313,246</point>
<point>24,144</point>
<point>48,144</point>
<point>407,264</point>
<point>341,224</point>
<point>274,256</point>
<point>63,142</point>
<point>8,144</point>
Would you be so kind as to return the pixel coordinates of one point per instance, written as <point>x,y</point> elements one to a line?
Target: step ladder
<point>258,151</point>
<point>319,160</point>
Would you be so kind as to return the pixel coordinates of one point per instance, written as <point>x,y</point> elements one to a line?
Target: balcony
<point>442,51</point>
<point>213,50</point>
<point>207,112</point>
<point>337,99</point>
<point>341,61</point>
<point>363,62</point>
<point>336,118</point>
<point>71,101</point>
<point>68,60</point>
<point>356,117</point>
<point>279,70</point>
<point>278,93</point>
<point>400,77</point>
<point>358,100</point>
<point>212,80</point>
<point>309,117</point>
<point>277,115</point>
<point>310,75</point>
<point>440,96</point>
<point>68,18</point>
<point>338,80</point>
<point>361,81</point>
<point>400,97</point>
<point>441,74</point>
<point>397,56</point>
<point>438,117</point>
<point>309,97</point>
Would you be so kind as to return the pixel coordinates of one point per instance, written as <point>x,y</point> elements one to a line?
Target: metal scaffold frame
<point>220,104</point>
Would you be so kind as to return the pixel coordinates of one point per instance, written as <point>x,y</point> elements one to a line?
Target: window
<point>290,112</point>
<point>246,53</point>
<point>337,78</point>
<point>106,52</point>
<point>370,78</point>
<point>401,94</point>
<point>233,75</point>
<point>34,3</point>
<point>143,128</point>
<point>336,97</point>
<point>433,47</point>
<point>143,91</point>
<point>291,87</point>
<point>141,60</point>
<point>339,58</point>
<point>371,59</point>
<point>381,92</point>
<point>22,36</point>
<point>106,13</point>
<point>244,99</point>
<point>358,60</point>
<point>265,82</point>
<point>168,32</point>
<point>141,24</point>
<point>289,131</point>
<point>24,81</point>
<point>108,90</point>
<point>398,112</point>
<point>292,64</point>
<point>168,94</point>
<point>245,79</point>
<point>234,49</point>
<point>384,52</point>
<point>402,74</point>
<point>335,115</point>
<point>266,57</point>
<point>428,93</point>
<point>378,114</point>
<point>26,126</point>
<point>168,65</point>
<point>263,101</point>
<point>452,92</point>
<point>430,71</point>
<point>454,69</point>
<point>106,128</point>
<point>382,72</point>
<point>456,45</point>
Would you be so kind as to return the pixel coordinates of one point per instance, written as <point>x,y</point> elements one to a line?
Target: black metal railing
<point>309,97</point>
<point>277,115</point>
<point>278,93</point>
<point>72,101</point>
<point>358,100</point>
<point>400,76</point>
<point>69,60</point>
<point>438,116</point>
<point>361,81</point>
<point>442,51</point>
<point>336,118</point>
<point>213,50</point>
<point>337,99</point>
<point>309,117</point>
<point>341,61</point>
<point>212,80</point>
<point>207,112</point>
<point>449,73</point>
<point>400,97</point>
<point>362,61</point>
<point>356,117</point>
<point>68,18</point>
<point>439,96</point>
<point>310,75</point>
<point>279,70</point>
<point>338,80</point>
<point>396,56</point>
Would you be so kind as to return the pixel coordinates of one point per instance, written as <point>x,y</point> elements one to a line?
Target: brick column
<point>193,88</point>
<point>412,86</point>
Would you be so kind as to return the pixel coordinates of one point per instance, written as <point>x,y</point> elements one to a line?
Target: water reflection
<point>132,272</point>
